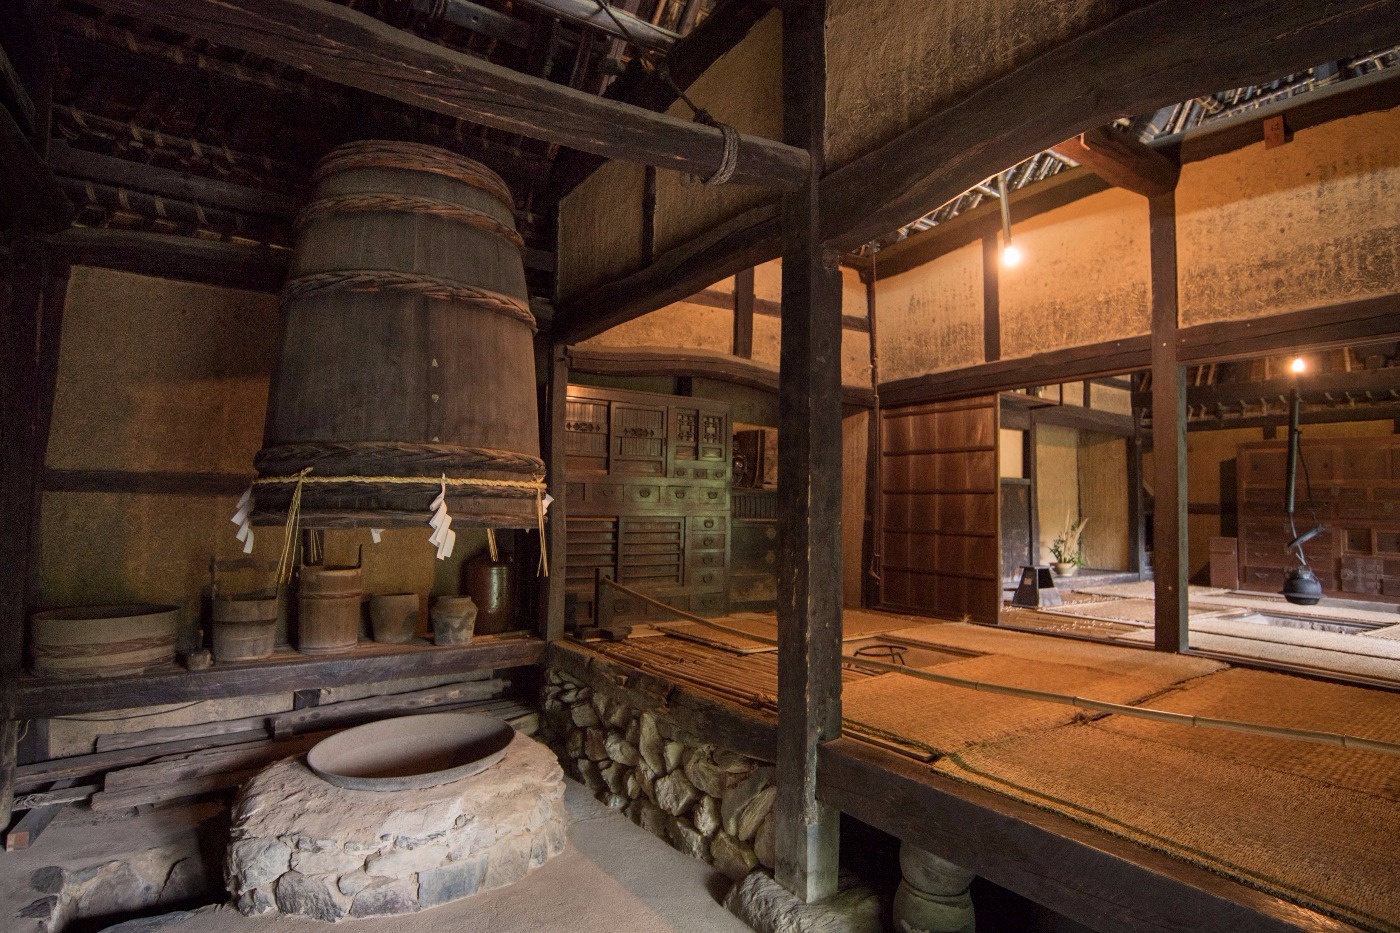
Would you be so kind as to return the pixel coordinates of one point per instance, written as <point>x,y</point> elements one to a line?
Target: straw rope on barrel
<point>407,359</point>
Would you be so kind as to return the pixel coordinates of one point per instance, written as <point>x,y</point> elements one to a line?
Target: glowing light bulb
<point>1298,365</point>
<point>1011,255</point>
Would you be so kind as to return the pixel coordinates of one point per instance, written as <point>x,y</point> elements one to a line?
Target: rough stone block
<point>707,816</point>
<point>451,882</point>
<point>686,838</point>
<point>731,858</point>
<point>385,898</point>
<point>651,745</point>
<point>676,794</point>
<point>620,750</point>
<point>767,907</point>
<point>298,894</point>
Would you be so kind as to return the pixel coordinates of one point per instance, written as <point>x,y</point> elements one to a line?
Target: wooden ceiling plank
<point>346,47</point>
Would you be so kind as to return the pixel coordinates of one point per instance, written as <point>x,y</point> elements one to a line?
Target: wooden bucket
<point>328,625</point>
<point>407,347</point>
<point>319,582</point>
<point>103,641</point>
<point>245,627</point>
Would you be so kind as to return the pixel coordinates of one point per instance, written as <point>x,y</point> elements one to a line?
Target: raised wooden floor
<point>944,768</point>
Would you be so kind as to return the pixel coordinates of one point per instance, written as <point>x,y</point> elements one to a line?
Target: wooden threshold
<point>284,672</point>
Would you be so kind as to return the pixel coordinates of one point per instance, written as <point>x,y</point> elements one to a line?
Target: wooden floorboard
<point>44,697</point>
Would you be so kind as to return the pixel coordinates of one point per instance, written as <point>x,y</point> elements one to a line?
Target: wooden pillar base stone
<point>933,897</point>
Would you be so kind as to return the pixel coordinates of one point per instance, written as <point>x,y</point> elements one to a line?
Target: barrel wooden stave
<point>328,624</point>
<point>103,641</point>
<point>390,366</point>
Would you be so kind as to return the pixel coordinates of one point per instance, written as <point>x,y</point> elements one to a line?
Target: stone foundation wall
<point>706,801</point>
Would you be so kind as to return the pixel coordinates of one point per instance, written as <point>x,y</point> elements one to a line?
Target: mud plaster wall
<point>1084,278</point>
<point>1309,223</point>
<point>1103,500</point>
<point>164,376</point>
<point>1056,481</point>
<point>744,89</point>
<point>930,318</point>
<point>600,229</point>
<point>892,63</point>
<point>681,325</point>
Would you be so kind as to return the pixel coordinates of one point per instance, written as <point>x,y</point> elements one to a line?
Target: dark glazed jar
<point>488,584</point>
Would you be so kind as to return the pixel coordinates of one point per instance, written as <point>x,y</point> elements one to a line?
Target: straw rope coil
<point>414,157</point>
<point>343,457</point>
<point>408,204</point>
<point>410,283</point>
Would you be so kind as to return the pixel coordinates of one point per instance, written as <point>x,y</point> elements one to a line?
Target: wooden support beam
<point>617,23</point>
<point>872,539</point>
<point>341,45</point>
<point>691,364</point>
<point>1056,366</point>
<point>1089,876</point>
<point>196,189</point>
<point>806,841</point>
<point>213,262</point>
<point>14,96</point>
<point>1170,558</point>
<point>30,197</point>
<point>1122,161</point>
<point>555,409</point>
<point>723,29</point>
<point>1151,55</point>
<point>743,313</point>
<point>1321,328</point>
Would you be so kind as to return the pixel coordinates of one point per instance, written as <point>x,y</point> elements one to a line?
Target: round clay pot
<point>394,617</point>
<point>454,619</point>
<point>1065,568</point>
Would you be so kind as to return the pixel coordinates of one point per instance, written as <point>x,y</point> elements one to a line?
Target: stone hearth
<point>302,846</point>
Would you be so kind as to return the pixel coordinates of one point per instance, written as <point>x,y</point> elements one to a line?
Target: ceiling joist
<point>346,47</point>
<point>1122,161</point>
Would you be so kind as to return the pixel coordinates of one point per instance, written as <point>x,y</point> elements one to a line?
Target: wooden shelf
<point>285,671</point>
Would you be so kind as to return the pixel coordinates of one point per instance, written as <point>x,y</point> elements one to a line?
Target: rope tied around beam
<point>729,154</point>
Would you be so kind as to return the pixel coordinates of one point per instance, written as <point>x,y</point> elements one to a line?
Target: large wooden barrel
<point>103,641</point>
<point>328,625</point>
<point>407,347</point>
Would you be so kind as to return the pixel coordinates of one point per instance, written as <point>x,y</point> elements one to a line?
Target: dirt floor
<point>613,877</point>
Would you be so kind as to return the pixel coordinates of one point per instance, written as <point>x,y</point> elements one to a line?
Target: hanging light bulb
<point>1298,365</point>
<point>1010,253</point>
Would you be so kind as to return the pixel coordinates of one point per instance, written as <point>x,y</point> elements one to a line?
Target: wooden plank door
<point>940,510</point>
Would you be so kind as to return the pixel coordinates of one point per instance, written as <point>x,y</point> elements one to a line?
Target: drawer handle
<point>709,523</point>
<point>680,493</point>
<point>714,494</point>
<point>644,493</point>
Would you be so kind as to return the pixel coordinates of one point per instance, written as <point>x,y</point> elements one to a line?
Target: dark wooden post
<point>991,298</point>
<point>1169,560</point>
<point>557,392</point>
<point>1137,540</point>
<point>873,540</point>
<point>743,313</point>
<point>809,485</point>
<point>23,410</point>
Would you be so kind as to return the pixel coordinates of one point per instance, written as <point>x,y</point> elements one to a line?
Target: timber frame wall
<point>1157,53</point>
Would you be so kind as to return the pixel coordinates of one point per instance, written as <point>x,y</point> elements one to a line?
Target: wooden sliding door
<point>939,510</point>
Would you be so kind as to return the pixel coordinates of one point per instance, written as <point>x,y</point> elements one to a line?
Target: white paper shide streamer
<point>243,519</point>
<point>443,537</point>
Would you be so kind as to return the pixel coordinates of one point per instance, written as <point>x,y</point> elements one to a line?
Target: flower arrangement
<point>1066,546</point>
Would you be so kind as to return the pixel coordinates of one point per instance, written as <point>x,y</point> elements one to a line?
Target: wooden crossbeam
<point>350,48</point>
<point>1122,161</point>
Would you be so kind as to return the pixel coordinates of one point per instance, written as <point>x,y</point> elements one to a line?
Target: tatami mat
<point>1328,847</point>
